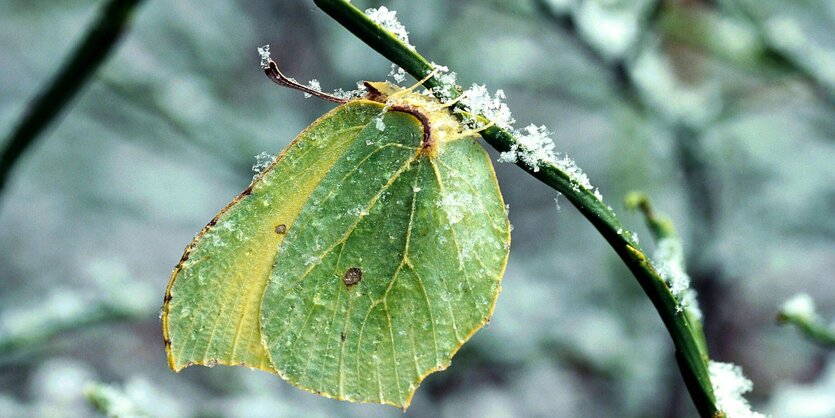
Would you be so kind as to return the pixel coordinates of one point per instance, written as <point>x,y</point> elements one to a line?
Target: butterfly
<point>357,263</point>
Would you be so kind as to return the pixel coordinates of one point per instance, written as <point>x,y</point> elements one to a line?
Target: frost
<point>262,161</point>
<point>456,205</point>
<point>729,384</point>
<point>351,94</point>
<point>534,146</point>
<point>480,102</point>
<point>448,80</point>
<point>800,306</point>
<point>397,73</point>
<point>557,201</point>
<point>264,51</point>
<point>379,124</point>
<point>314,85</point>
<point>388,20</point>
<point>689,302</point>
<point>669,261</point>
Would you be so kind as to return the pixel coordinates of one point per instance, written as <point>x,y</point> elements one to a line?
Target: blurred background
<point>723,111</point>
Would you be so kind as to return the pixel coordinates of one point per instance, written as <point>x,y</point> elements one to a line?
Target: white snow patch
<point>478,99</point>
<point>800,306</point>
<point>534,146</point>
<point>669,256</point>
<point>388,20</point>
<point>729,384</point>
<point>669,261</point>
<point>448,80</point>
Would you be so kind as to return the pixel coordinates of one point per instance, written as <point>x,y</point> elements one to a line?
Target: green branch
<point>692,362</point>
<point>666,237</point>
<point>73,75</point>
<point>800,312</point>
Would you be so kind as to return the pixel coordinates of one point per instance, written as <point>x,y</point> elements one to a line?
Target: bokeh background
<point>723,111</point>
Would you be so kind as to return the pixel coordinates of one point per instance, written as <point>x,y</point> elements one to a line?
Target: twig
<point>800,312</point>
<point>692,363</point>
<point>88,56</point>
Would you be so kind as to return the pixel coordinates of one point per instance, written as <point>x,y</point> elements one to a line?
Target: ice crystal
<point>478,99</point>
<point>264,51</point>
<point>314,85</point>
<point>397,73</point>
<point>351,94</point>
<point>262,161</point>
<point>669,261</point>
<point>729,384</point>
<point>388,20</point>
<point>448,80</point>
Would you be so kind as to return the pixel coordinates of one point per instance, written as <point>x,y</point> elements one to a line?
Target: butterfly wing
<point>212,304</point>
<point>428,235</point>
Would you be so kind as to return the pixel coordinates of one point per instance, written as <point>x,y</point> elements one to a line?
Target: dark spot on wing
<point>281,229</point>
<point>352,276</point>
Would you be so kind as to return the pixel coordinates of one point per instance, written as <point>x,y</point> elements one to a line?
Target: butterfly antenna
<point>272,71</point>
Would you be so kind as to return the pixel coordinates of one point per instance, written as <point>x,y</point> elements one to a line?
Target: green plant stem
<point>692,363</point>
<point>88,56</point>
<point>814,329</point>
<point>661,228</point>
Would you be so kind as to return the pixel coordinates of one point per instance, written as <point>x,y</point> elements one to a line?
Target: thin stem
<point>816,331</point>
<point>693,363</point>
<point>660,226</point>
<point>810,324</point>
<point>88,56</point>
